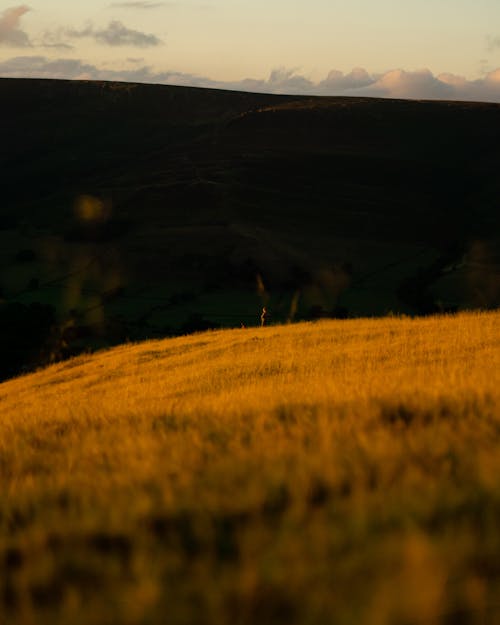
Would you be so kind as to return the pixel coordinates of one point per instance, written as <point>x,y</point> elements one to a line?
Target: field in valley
<point>343,472</point>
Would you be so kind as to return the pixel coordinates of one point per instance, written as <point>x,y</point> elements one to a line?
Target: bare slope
<point>339,472</point>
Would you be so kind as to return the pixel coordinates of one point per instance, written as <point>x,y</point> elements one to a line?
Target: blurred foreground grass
<point>343,472</point>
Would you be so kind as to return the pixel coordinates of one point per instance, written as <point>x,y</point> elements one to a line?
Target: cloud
<point>421,84</point>
<point>53,39</point>
<point>10,31</point>
<point>76,69</point>
<point>282,76</point>
<point>493,43</point>
<point>116,34</point>
<point>398,83</point>
<point>337,82</point>
<point>41,67</point>
<point>140,5</point>
<point>56,46</point>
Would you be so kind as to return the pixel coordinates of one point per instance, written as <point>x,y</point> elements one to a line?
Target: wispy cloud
<point>141,5</point>
<point>76,69</point>
<point>54,39</point>
<point>398,83</point>
<point>55,46</point>
<point>116,34</point>
<point>493,43</point>
<point>11,33</point>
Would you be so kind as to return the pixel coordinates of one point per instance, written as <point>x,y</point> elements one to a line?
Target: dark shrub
<point>26,256</point>
<point>24,334</point>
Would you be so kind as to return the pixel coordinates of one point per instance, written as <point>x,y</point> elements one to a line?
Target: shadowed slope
<point>337,472</point>
<point>136,211</point>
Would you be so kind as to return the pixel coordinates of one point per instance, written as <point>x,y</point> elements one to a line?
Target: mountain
<point>130,211</point>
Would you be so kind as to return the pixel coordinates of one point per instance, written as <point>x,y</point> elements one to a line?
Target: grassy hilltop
<point>139,211</point>
<point>340,472</point>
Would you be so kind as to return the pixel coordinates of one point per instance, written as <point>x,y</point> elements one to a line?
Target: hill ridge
<point>186,207</point>
<point>248,468</point>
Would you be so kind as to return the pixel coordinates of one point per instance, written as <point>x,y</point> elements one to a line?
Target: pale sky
<point>228,41</point>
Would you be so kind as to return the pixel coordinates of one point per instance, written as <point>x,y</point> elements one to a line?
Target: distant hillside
<point>338,472</point>
<point>131,211</point>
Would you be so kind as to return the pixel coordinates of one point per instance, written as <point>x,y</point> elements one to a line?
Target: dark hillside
<point>137,210</point>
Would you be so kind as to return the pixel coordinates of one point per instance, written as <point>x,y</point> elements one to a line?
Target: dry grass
<point>343,472</point>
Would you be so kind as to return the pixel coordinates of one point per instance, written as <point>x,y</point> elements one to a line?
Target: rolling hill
<point>135,211</point>
<point>339,472</point>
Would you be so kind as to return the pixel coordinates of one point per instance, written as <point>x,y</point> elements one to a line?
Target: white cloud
<point>458,82</point>
<point>10,30</point>
<point>356,79</point>
<point>420,84</point>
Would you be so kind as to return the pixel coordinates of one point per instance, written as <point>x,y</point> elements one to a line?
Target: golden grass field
<point>339,472</point>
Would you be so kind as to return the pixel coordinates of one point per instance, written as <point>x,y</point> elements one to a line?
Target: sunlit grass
<point>336,472</point>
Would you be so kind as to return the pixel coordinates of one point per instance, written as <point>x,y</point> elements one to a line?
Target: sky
<point>446,49</point>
